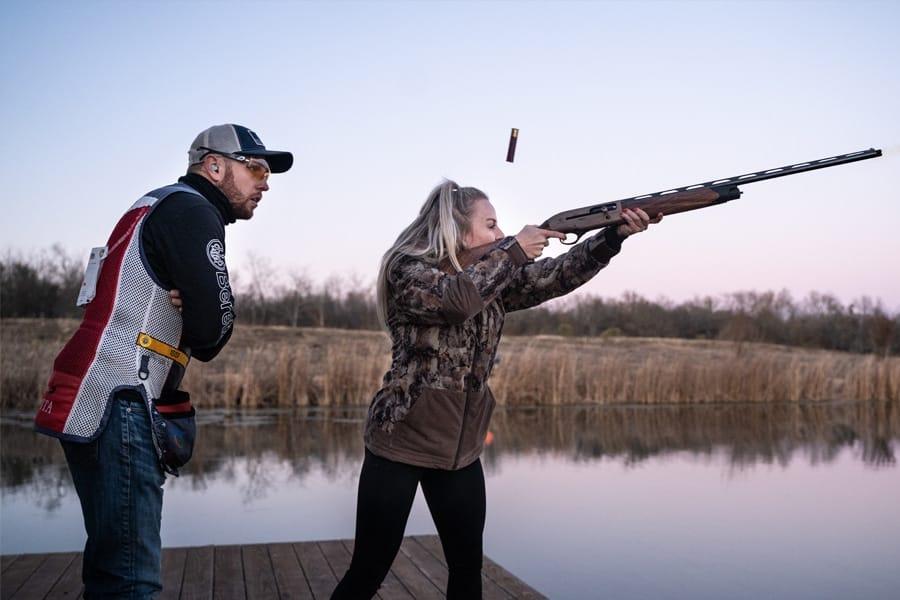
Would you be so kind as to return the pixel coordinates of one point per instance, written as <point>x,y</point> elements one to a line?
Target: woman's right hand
<point>533,240</point>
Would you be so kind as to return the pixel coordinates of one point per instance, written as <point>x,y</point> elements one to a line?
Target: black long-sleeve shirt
<point>184,243</point>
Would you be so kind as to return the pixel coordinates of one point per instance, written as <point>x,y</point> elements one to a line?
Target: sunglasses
<point>259,169</point>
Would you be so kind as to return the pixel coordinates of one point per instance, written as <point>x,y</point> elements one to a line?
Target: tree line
<point>47,283</point>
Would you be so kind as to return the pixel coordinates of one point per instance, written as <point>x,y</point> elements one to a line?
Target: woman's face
<point>483,227</point>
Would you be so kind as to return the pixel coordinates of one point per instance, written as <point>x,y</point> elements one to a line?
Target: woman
<point>427,424</point>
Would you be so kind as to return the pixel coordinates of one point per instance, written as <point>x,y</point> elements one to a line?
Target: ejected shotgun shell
<point>511,151</point>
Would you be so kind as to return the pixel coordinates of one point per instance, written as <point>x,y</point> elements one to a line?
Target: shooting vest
<point>128,338</point>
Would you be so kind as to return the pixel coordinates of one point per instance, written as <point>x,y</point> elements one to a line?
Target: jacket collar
<point>211,193</point>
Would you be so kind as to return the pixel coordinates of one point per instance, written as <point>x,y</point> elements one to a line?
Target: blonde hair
<point>435,234</point>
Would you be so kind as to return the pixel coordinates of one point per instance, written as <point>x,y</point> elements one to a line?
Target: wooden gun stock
<point>467,257</point>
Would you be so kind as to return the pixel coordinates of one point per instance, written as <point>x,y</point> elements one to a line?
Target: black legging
<point>456,500</point>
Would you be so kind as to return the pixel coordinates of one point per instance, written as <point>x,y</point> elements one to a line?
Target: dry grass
<point>282,366</point>
<point>286,367</point>
<point>553,370</point>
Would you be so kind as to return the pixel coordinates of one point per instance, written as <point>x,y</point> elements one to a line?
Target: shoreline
<point>284,367</point>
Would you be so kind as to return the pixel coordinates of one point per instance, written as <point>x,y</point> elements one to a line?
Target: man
<point>113,398</point>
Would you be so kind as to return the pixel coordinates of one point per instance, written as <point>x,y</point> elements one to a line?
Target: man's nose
<point>265,186</point>
<point>500,235</point>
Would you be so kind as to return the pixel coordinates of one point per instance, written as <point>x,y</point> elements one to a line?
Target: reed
<point>296,367</point>
<point>283,367</point>
<point>560,371</point>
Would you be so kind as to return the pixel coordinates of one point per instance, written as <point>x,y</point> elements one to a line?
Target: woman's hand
<point>636,221</point>
<point>175,299</point>
<point>533,240</point>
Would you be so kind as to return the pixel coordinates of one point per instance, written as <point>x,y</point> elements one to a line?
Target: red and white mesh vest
<point>128,338</point>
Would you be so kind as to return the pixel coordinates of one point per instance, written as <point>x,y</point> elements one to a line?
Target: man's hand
<point>175,299</point>
<point>636,221</point>
<point>533,240</point>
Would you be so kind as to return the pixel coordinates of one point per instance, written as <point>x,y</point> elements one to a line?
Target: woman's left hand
<point>636,221</point>
<point>175,299</point>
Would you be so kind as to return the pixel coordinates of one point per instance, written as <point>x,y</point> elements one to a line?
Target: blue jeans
<point>119,482</point>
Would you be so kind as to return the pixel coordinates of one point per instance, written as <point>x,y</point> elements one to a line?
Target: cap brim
<point>278,161</point>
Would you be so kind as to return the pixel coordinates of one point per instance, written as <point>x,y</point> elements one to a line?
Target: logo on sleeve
<point>216,254</point>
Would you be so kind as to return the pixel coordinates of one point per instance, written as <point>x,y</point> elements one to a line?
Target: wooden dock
<point>300,570</point>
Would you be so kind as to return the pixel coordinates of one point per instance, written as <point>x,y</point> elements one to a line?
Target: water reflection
<point>700,502</point>
<point>261,448</point>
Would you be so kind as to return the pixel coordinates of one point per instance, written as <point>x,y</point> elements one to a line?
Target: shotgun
<point>693,197</point>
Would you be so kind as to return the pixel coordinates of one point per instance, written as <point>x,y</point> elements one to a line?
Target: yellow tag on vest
<point>147,341</point>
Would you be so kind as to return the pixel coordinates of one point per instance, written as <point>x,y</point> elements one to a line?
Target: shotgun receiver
<point>582,220</point>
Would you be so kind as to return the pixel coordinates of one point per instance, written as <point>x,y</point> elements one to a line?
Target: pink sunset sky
<point>379,101</point>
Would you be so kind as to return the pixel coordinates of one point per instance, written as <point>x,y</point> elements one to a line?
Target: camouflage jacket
<point>434,406</point>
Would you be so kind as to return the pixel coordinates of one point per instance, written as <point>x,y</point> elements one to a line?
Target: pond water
<point>775,501</point>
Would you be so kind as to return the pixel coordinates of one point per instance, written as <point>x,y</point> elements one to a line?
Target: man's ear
<point>214,168</point>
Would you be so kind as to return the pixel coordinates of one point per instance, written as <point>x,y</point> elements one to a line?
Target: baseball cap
<point>237,139</point>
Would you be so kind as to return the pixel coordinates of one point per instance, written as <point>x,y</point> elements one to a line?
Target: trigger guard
<point>573,242</point>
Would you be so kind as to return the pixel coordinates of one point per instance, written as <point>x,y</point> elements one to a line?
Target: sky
<point>379,101</point>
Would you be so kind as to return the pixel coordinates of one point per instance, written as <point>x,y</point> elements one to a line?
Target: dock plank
<point>173,560</point>
<point>13,577</point>
<point>69,586</point>
<point>490,590</point>
<point>509,582</point>
<point>321,580</point>
<point>431,567</point>
<point>228,579</point>
<point>198,574</point>
<point>415,582</point>
<point>258,573</point>
<point>290,571</point>
<point>289,576</point>
<point>42,580</point>
<point>6,560</point>
<point>337,555</point>
<point>391,588</point>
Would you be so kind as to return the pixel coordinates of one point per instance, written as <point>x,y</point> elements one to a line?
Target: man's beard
<point>237,200</point>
